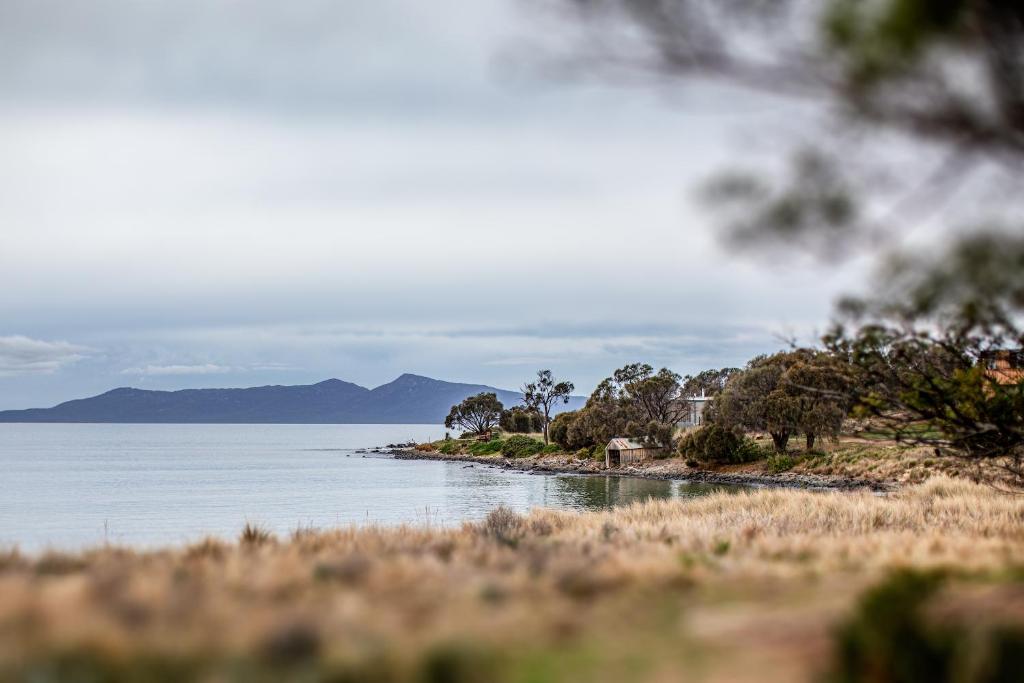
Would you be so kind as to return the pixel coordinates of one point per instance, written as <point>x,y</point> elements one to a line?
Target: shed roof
<point>620,444</point>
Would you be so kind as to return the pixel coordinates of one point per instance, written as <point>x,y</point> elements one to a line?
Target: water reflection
<point>603,492</point>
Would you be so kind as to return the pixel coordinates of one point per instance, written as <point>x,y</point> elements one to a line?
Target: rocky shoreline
<point>659,469</point>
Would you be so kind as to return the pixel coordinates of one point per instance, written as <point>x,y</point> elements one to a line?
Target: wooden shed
<point>626,452</point>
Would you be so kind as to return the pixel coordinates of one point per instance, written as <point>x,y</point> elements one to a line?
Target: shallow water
<point>70,485</point>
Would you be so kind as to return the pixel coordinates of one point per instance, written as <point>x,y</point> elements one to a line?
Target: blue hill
<point>410,399</point>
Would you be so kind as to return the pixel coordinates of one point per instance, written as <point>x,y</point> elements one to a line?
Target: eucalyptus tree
<point>544,394</point>
<point>477,414</point>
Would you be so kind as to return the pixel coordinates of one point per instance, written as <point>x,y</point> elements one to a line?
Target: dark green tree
<point>477,414</point>
<point>520,420</point>
<point>786,394</point>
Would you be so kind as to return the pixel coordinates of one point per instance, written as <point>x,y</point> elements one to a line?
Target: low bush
<point>713,444</point>
<point>583,454</point>
<point>449,447</point>
<point>426,447</point>
<point>781,463</point>
<point>486,447</point>
<point>504,525</point>
<point>752,451</point>
<point>891,638</point>
<point>551,448</point>
<point>519,446</point>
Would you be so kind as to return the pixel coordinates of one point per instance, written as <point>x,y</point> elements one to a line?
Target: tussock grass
<point>255,535</point>
<point>730,587</point>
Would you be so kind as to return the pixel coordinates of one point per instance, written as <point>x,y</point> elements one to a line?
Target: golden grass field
<point>730,587</point>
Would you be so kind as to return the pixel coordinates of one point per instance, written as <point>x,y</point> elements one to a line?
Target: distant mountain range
<point>410,399</point>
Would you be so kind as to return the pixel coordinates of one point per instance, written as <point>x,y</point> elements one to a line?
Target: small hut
<point>626,452</point>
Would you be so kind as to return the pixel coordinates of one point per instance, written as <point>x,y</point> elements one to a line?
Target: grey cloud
<point>204,369</point>
<point>287,54</point>
<point>20,355</point>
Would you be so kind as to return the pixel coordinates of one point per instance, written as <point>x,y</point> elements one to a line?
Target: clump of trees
<point>635,401</point>
<point>521,420</point>
<point>802,392</point>
<point>939,391</point>
<point>476,415</point>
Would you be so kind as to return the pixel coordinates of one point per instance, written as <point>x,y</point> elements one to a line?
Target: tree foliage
<point>937,390</point>
<point>635,402</point>
<point>477,414</point>
<point>520,420</point>
<point>707,382</point>
<point>544,394</point>
<point>945,76</point>
<point>786,394</point>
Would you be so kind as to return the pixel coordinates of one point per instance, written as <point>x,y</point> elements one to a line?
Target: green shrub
<point>449,447</point>
<point>713,444</point>
<point>583,454</point>
<point>751,451</point>
<point>486,447</point>
<point>551,448</point>
<point>889,639</point>
<point>519,446</point>
<point>597,452</point>
<point>781,463</point>
<point>892,636</point>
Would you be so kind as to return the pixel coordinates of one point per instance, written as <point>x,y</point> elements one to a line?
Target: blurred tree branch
<point>948,74</point>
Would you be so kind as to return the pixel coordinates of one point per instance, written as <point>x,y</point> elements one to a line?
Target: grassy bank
<point>736,587</point>
<point>847,461</point>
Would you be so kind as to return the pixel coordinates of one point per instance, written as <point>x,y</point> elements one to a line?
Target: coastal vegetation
<point>944,407</point>
<point>769,585</point>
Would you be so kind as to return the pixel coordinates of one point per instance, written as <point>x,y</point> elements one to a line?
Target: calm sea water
<point>70,485</point>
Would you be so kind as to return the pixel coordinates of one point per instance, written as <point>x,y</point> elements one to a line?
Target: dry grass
<point>723,588</point>
<point>883,461</point>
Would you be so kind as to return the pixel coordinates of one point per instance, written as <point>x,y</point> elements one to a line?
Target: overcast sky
<point>213,193</point>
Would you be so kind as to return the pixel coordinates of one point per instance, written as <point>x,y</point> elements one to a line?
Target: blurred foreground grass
<point>771,585</point>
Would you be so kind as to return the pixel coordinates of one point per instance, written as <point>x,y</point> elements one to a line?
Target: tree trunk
<point>780,439</point>
<point>810,441</point>
<point>545,429</point>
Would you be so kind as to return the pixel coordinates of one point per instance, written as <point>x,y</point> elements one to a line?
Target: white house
<point>696,416</point>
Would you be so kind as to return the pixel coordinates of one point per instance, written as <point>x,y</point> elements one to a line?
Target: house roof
<point>620,444</point>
